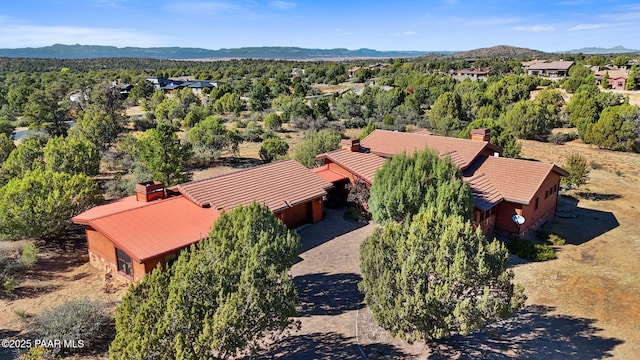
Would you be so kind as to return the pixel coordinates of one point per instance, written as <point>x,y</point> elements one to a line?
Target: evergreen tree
<point>163,155</point>
<point>436,275</point>
<point>25,157</point>
<point>578,172</point>
<point>40,204</point>
<point>446,114</point>
<point>500,136</point>
<point>404,184</point>
<point>632,79</point>
<point>316,143</point>
<point>71,155</point>
<point>617,128</point>
<point>220,298</point>
<point>273,148</point>
<point>6,147</point>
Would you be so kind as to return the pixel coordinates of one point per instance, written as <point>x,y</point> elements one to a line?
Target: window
<point>124,262</point>
<point>535,207</point>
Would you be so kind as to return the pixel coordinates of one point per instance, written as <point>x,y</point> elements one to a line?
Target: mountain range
<point>183,53</point>
<point>597,50</point>
<point>77,51</point>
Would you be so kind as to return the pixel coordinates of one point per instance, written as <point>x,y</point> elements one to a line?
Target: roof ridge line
<point>147,203</point>
<point>236,172</point>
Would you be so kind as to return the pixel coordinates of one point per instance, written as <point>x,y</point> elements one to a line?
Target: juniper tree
<point>435,275</point>
<point>221,298</point>
<point>406,183</point>
<point>40,204</point>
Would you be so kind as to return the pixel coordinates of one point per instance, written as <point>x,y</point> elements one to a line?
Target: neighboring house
<point>353,71</point>
<point>617,78</point>
<point>169,85</point>
<point>501,187</point>
<point>553,69</point>
<point>131,236</point>
<point>473,73</point>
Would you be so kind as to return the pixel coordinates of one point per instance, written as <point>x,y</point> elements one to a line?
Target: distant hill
<point>292,53</point>
<point>499,52</point>
<point>596,50</point>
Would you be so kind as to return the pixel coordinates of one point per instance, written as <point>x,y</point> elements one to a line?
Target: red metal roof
<point>362,165</point>
<point>153,228</point>
<point>278,185</point>
<point>109,208</point>
<point>462,151</point>
<point>328,174</point>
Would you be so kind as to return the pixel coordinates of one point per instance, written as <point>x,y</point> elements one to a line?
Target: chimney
<point>481,134</point>
<point>149,191</point>
<point>350,145</point>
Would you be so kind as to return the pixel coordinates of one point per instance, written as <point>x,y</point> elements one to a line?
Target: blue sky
<point>382,25</point>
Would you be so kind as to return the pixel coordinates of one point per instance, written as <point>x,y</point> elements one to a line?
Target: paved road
<point>327,276</point>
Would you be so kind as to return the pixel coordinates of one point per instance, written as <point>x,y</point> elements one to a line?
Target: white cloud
<point>409,33</point>
<point>282,5</point>
<point>580,27</point>
<point>17,35</point>
<point>535,28</point>
<point>200,8</point>
<point>492,21</point>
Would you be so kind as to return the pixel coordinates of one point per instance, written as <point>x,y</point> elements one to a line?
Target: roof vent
<point>496,154</point>
<point>149,191</point>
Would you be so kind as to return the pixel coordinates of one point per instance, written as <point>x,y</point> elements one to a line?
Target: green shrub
<point>550,238</point>
<point>38,353</point>
<point>351,214</point>
<point>556,240</point>
<point>21,313</point>
<point>595,166</point>
<point>8,283</point>
<point>29,255</point>
<point>528,250</point>
<point>560,138</point>
<point>75,320</point>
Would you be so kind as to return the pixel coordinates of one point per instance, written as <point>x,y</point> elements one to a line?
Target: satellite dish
<point>518,219</point>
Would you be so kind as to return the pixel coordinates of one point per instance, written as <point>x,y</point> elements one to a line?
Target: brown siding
<point>151,264</point>
<point>546,207</point>
<point>534,217</point>
<point>102,255</point>
<point>505,212</point>
<point>316,210</point>
<point>297,215</point>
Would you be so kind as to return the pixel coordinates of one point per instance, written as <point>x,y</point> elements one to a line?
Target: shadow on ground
<point>5,351</point>
<point>326,346</point>
<point>328,294</point>
<point>331,226</point>
<point>578,224</point>
<point>534,333</point>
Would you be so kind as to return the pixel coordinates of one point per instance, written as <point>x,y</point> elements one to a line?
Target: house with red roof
<point>131,236</point>
<point>501,187</point>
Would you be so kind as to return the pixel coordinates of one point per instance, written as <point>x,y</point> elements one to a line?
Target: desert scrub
<point>550,237</point>
<point>75,320</point>
<point>529,250</point>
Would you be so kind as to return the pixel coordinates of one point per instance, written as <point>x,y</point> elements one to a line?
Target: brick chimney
<point>149,191</point>
<point>481,134</point>
<point>350,144</point>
